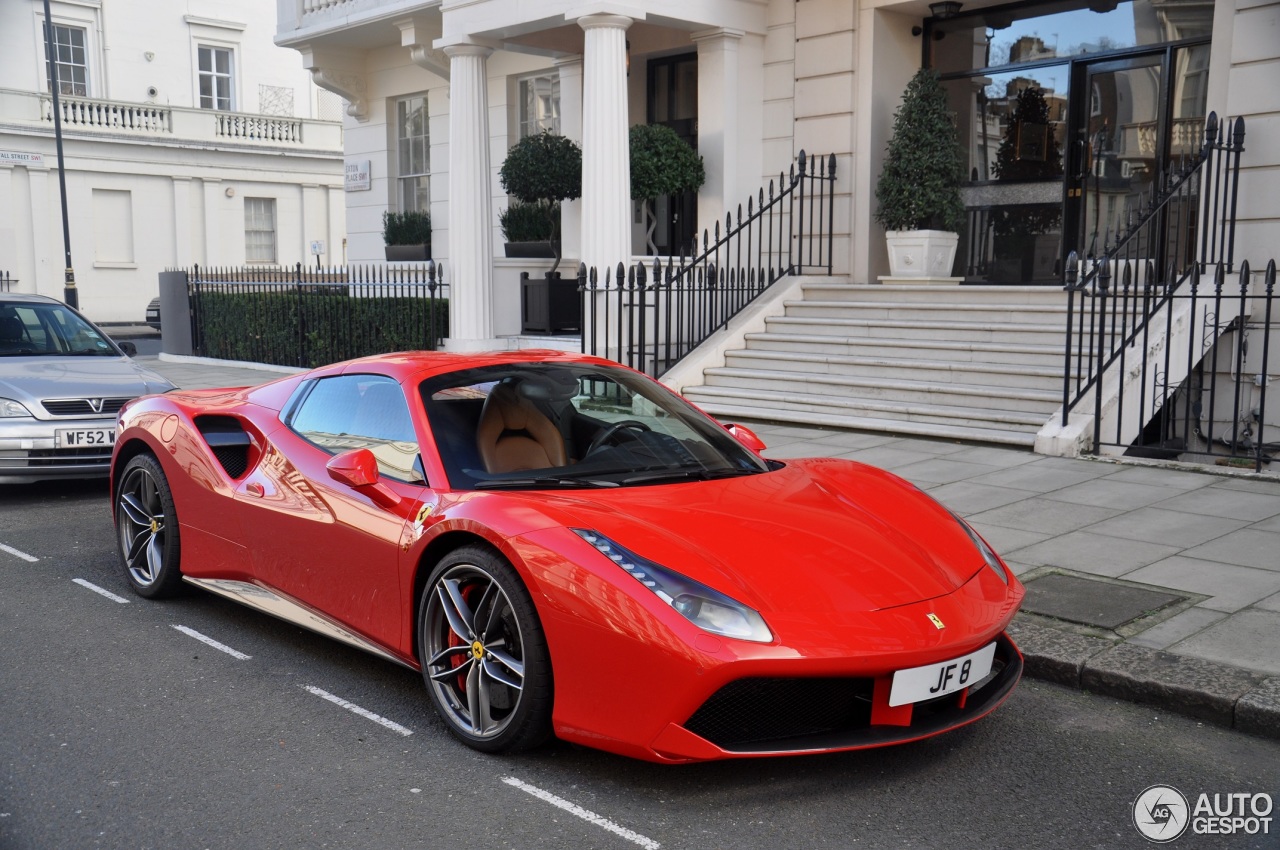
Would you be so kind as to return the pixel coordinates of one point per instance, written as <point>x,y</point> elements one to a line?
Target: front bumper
<point>788,716</point>
<point>28,450</point>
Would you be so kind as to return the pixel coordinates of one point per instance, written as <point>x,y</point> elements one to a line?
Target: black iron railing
<point>651,316</point>
<point>309,317</point>
<point>1216,406</point>
<point>6,281</point>
<point>1188,225</point>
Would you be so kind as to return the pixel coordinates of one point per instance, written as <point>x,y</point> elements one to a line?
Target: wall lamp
<point>940,11</point>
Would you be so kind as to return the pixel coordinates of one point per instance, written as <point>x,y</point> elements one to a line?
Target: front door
<point>673,101</point>
<point>1117,146</point>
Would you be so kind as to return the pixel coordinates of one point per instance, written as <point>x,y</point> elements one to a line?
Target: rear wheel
<point>147,529</point>
<point>484,656</point>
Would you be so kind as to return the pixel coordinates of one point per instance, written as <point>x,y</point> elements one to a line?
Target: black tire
<point>484,656</point>
<point>147,530</point>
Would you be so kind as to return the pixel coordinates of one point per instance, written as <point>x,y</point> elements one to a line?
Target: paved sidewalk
<point>1145,581</point>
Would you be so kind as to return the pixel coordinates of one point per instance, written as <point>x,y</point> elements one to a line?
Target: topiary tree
<point>662,163</point>
<point>919,188</point>
<point>544,169</point>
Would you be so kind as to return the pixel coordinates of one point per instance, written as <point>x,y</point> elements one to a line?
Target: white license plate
<point>936,680</point>
<point>84,438</point>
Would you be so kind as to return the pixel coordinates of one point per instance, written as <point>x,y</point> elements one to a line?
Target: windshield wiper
<point>686,474</point>
<point>543,481</point>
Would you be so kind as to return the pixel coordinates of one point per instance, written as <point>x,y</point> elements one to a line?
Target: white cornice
<point>196,20</point>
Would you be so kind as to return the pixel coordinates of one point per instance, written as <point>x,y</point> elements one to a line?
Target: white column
<point>470,269</point>
<point>606,159</point>
<point>211,251</point>
<point>570,70</point>
<point>718,127</point>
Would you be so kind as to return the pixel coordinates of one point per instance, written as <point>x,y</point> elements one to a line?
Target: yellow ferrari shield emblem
<point>937,621</point>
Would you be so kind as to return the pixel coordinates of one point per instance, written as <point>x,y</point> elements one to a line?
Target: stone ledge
<point>1218,693</point>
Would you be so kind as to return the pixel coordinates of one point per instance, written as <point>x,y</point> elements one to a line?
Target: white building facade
<point>1125,86</point>
<point>189,137</point>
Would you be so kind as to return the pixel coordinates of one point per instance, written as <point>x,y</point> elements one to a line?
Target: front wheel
<point>147,529</point>
<point>484,656</point>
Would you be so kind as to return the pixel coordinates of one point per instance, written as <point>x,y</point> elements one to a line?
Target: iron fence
<point>651,316</point>
<point>1204,396</point>
<point>1188,225</point>
<point>306,316</point>
<point>7,281</point>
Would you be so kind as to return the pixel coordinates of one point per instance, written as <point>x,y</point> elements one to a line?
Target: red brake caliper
<point>458,659</point>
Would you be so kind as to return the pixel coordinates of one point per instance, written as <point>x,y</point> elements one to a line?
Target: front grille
<point>53,458</point>
<point>792,715</point>
<point>83,406</point>
<point>752,710</point>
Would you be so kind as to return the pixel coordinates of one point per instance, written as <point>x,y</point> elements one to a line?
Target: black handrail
<point>1155,255</point>
<point>789,232</point>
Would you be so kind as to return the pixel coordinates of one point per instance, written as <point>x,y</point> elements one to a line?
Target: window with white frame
<point>66,47</point>
<point>259,230</point>
<point>215,71</point>
<point>539,99</point>
<point>413,140</point>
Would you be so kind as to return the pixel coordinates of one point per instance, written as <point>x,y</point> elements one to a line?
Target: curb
<point>1217,693</point>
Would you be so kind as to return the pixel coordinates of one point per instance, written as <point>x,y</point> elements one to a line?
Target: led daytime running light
<point>706,608</point>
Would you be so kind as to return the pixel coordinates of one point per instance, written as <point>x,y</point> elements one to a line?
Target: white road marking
<point>31,559</point>
<point>100,591</point>
<point>578,811</point>
<point>221,647</point>
<point>355,709</point>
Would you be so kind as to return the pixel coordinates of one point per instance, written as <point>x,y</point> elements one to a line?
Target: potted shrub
<point>543,170</point>
<point>528,229</point>
<point>918,193</point>
<point>662,163</point>
<point>407,235</point>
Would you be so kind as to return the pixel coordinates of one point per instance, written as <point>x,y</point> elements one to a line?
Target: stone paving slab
<point>1228,587</point>
<point>1244,639</point>
<point>1096,554</point>
<point>1175,528</point>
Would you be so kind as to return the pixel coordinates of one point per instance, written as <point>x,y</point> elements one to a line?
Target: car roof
<point>424,364</point>
<point>27,298</point>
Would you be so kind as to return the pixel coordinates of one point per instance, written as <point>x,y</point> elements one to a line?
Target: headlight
<point>988,554</point>
<point>707,609</point>
<point>10,408</point>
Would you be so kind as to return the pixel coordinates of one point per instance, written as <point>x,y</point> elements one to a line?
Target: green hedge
<point>315,327</point>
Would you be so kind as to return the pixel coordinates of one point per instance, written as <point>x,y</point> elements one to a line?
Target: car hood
<point>818,536</point>
<point>30,379</point>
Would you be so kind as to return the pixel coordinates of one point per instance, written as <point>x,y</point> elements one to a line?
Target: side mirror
<point>358,468</point>
<point>128,348</point>
<point>747,437</point>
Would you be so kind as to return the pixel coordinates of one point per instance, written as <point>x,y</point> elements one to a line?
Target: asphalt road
<point>118,730</point>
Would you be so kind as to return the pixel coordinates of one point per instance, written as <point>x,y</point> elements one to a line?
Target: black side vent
<point>229,442</point>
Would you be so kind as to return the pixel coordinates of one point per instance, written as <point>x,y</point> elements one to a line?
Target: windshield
<point>540,426</point>
<point>49,329</point>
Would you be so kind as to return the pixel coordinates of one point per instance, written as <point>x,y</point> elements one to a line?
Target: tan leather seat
<point>513,435</point>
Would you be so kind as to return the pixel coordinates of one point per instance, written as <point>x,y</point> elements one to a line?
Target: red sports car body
<point>561,545</point>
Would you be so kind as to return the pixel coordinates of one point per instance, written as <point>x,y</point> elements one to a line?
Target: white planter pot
<point>921,253</point>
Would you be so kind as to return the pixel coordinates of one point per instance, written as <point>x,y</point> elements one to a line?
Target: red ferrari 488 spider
<point>561,545</point>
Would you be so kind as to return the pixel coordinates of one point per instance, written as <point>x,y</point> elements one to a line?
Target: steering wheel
<point>608,433</point>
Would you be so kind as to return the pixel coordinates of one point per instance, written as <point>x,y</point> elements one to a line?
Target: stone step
<point>997,297</point>
<point>898,417</point>
<point>746,374</point>
<point>956,331</point>
<point>1038,354</point>
<point>892,311</point>
<point>881,366</point>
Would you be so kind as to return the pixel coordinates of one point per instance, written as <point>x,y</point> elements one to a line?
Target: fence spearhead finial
<point>1072,270</point>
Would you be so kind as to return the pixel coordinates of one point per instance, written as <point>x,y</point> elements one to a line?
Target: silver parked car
<point>62,381</point>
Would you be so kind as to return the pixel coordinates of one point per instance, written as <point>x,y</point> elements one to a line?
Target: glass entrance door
<point>1118,143</point>
<point>673,101</point>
